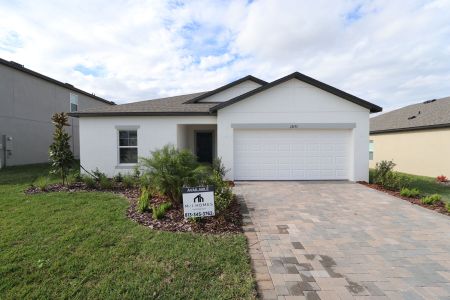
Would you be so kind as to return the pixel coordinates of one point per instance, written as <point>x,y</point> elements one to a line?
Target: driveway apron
<point>341,240</point>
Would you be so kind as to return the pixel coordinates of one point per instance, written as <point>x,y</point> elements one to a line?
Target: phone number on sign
<point>199,214</point>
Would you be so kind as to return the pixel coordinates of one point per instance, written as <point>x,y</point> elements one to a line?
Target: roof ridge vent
<point>429,101</point>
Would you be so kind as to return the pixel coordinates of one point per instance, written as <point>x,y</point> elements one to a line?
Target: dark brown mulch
<point>437,207</point>
<point>228,222</point>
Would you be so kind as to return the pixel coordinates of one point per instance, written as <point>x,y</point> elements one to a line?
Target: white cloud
<point>388,52</point>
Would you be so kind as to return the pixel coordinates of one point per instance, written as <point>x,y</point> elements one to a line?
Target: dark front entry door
<point>204,146</point>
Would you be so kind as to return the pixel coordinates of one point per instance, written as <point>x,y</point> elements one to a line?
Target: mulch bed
<point>228,222</point>
<point>437,207</point>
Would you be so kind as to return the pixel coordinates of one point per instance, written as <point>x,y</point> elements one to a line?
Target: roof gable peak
<point>309,80</point>
<point>227,86</point>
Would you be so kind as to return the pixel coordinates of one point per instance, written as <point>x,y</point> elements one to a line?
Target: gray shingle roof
<point>429,114</point>
<point>21,68</point>
<point>184,104</point>
<point>164,106</point>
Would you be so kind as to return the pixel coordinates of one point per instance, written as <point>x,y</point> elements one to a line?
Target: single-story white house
<point>294,128</point>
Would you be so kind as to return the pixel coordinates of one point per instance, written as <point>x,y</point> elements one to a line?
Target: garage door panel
<point>291,154</point>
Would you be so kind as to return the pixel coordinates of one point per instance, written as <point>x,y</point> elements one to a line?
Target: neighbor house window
<point>73,102</point>
<point>370,150</point>
<point>128,151</point>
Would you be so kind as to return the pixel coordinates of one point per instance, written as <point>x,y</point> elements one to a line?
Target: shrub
<point>371,175</point>
<point>410,193</point>
<point>118,177</point>
<point>136,172</point>
<point>441,178</point>
<point>77,176</point>
<point>61,157</point>
<point>89,181</point>
<point>395,181</point>
<point>382,170</point>
<point>387,178</point>
<point>128,181</point>
<point>105,183</point>
<point>219,167</point>
<point>159,211</point>
<point>428,200</point>
<point>447,206</point>
<point>42,183</point>
<point>98,174</point>
<point>169,169</point>
<point>222,192</point>
<point>143,201</point>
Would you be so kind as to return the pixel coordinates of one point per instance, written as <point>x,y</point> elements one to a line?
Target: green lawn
<point>427,185</point>
<point>81,245</point>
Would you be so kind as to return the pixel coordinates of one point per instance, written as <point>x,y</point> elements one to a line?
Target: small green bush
<point>159,211</point>
<point>219,167</point>
<point>77,176</point>
<point>385,176</point>
<point>118,177</point>
<point>136,172</point>
<point>129,181</point>
<point>42,183</point>
<point>105,183</point>
<point>371,175</point>
<point>143,201</point>
<point>89,181</point>
<point>169,169</point>
<point>73,178</point>
<point>98,174</point>
<point>383,169</point>
<point>428,200</point>
<point>222,192</point>
<point>447,206</point>
<point>410,193</point>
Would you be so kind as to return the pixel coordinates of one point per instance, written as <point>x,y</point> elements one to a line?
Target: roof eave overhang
<point>417,128</point>
<point>115,114</point>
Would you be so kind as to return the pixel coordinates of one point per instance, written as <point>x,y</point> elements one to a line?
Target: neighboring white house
<point>294,128</point>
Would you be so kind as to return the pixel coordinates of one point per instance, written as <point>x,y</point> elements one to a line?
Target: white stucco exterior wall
<point>289,102</point>
<point>99,138</point>
<point>232,92</point>
<point>296,102</point>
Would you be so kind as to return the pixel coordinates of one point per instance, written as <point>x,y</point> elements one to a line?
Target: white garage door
<point>291,154</point>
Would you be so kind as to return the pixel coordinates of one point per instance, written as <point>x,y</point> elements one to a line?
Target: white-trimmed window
<point>128,150</point>
<point>73,102</point>
<point>370,150</point>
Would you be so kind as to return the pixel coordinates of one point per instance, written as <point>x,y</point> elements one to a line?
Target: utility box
<point>6,149</point>
<point>9,144</point>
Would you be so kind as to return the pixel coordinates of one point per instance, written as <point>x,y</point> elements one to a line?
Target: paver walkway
<point>334,240</point>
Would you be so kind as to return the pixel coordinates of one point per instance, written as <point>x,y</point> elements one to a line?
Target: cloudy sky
<point>390,52</point>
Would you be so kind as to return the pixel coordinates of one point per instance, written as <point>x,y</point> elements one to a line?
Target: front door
<point>204,146</point>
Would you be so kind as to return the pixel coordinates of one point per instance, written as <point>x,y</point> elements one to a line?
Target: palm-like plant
<point>169,169</point>
<point>61,157</point>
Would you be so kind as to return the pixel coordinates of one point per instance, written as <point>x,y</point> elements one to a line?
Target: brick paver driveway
<point>335,240</point>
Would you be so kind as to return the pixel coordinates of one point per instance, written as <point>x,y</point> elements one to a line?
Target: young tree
<point>61,157</point>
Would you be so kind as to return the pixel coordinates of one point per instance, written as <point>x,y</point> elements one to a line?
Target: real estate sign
<point>198,202</point>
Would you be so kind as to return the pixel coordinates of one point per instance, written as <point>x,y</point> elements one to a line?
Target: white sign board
<point>198,202</point>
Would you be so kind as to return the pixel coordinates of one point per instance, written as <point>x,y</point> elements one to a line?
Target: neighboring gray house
<point>27,102</point>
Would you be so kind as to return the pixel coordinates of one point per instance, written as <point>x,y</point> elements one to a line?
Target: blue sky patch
<point>97,71</point>
<point>354,15</point>
<point>10,42</point>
